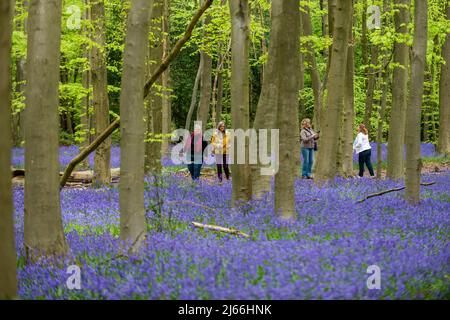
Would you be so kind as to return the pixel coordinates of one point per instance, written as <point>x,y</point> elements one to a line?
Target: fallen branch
<point>391,190</point>
<point>116,123</point>
<point>220,229</point>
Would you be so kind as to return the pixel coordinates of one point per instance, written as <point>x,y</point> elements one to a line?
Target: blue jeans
<point>194,170</point>
<point>308,160</point>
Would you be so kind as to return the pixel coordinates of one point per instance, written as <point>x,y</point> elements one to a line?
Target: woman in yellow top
<point>220,148</point>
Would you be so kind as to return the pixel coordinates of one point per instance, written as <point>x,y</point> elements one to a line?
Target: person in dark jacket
<point>194,146</point>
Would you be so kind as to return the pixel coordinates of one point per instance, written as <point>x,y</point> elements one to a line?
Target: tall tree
<point>285,38</point>
<point>154,99</point>
<point>205,80</point>
<point>444,96</point>
<point>193,97</point>
<point>131,187</point>
<point>396,139</point>
<point>413,117</point>
<point>8,278</point>
<point>166,83</point>
<point>310,58</point>
<point>326,166</point>
<point>43,230</point>
<point>240,40</point>
<point>345,163</point>
<point>102,173</point>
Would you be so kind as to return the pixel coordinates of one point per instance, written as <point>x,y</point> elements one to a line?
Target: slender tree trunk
<point>86,82</point>
<point>102,173</point>
<point>240,104</point>
<point>326,163</point>
<point>381,120</point>
<point>154,99</point>
<point>413,117</point>
<point>348,113</point>
<point>396,140</point>
<point>194,96</point>
<point>43,230</point>
<point>364,41</point>
<point>444,97</point>
<point>8,277</point>
<point>166,83</point>
<point>205,82</point>
<point>131,187</point>
<point>371,79</point>
<point>286,29</point>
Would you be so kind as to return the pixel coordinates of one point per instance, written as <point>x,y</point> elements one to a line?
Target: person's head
<point>221,126</point>
<point>362,128</point>
<point>306,123</point>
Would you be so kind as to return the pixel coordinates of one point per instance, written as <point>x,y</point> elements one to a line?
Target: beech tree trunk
<point>326,165</point>
<point>285,36</point>
<point>240,104</point>
<point>310,58</point>
<point>396,140</point>
<point>100,92</point>
<point>43,230</point>
<point>86,82</point>
<point>154,99</point>
<point>413,117</point>
<point>166,83</point>
<point>133,226</point>
<point>444,97</point>
<point>348,113</point>
<point>371,79</point>
<point>205,82</point>
<point>8,277</point>
<point>194,97</point>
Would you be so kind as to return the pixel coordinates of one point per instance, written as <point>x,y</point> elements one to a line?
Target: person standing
<point>220,147</point>
<point>308,145</point>
<point>363,150</point>
<point>194,147</point>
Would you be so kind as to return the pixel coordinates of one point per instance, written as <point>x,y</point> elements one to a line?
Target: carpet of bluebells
<point>323,254</point>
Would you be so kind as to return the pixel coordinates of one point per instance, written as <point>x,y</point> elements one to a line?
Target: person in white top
<point>363,150</point>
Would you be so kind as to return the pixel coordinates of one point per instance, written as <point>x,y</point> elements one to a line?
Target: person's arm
<point>357,142</point>
<point>304,137</point>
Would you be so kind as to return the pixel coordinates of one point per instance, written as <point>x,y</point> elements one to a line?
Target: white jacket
<point>361,143</point>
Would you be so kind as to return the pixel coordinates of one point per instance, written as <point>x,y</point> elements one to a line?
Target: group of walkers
<point>195,146</point>
<point>309,139</point>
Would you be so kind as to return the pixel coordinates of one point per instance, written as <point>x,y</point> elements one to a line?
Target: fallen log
<point>116,123</point>
<point>377,194</point>
<point>85,176</point>
<point>220,229</point>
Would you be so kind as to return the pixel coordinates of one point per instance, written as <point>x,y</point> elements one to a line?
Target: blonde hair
<point>305,121</point>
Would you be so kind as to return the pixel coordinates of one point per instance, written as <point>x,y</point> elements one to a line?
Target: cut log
<point>220,229</point>
<point>77,176</point>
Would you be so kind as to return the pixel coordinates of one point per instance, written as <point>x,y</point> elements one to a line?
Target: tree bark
<point>205,82</point>
<point>413,117</point>
<point>371,79</point>
<point>286,38</point>
<point>310,57</point>
<point>194,97</point>
<point>131,187</point>
<point>326,166</point>
<point>240,104</point>
<point>166,83</point>
<point>43,230</point>
<point>100,92</point>
<point>154,99</point>
<point>86,82</point>
<point>8,276</point>
<point>396,139</point>
<point>348,113</point>
<point>444,97</point>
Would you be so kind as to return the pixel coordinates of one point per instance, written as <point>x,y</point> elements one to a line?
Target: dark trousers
<point>222,163</point>
<point>364,159</point>
<point>194,170</point>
